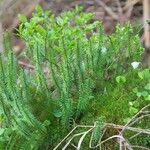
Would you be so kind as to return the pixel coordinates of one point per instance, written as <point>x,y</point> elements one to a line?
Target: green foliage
<point>142,92</point>
<point>83,64</point>
<point>18,121</point>
<point>98,131</point>
<point>120,79</point>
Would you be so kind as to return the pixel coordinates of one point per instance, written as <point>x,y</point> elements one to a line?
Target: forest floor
<point>118,90</point>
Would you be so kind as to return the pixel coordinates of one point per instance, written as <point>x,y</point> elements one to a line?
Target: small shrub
<point>83,65</point>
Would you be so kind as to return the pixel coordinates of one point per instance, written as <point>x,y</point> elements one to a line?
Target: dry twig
<point>108,10</point>
<point>122,142</point>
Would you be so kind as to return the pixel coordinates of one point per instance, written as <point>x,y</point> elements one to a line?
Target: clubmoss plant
<point>83,64</point>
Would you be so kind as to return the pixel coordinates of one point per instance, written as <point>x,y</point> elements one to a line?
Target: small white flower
<point>135,64</point>
<point>83,66</point>
<point>103,50</point>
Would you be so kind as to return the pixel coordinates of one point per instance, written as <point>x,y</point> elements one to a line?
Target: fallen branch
<point>123,142</point>
<point>108,10</point>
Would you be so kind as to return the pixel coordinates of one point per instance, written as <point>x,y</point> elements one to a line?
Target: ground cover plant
<point>74,74</point>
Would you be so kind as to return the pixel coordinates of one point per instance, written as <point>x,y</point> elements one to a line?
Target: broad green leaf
<point>57,113</point>
<point>22,18</point>
<point>133,110</point>
<point>2,131</point>
<point>38,9</point>
<point>46,123</point>
<point>120,79</point>
<point>136,103</point>
<point>144,93</point>
<point>135,90</point>
<point>147,87</point>
<point>139,94</point>
<point>147,98</point>
<point>140,74</point>
<point>131,103</point>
